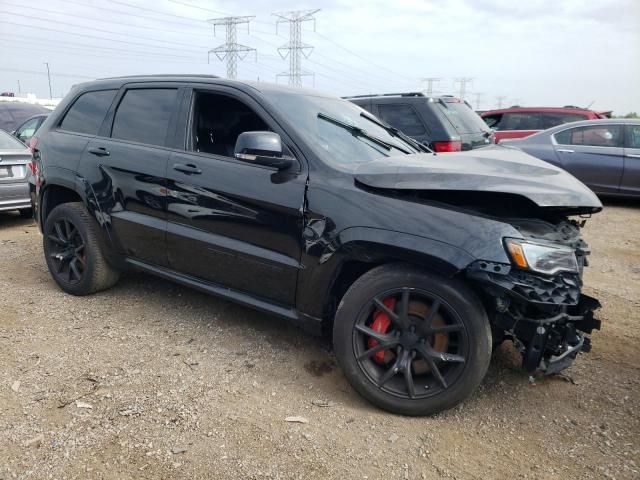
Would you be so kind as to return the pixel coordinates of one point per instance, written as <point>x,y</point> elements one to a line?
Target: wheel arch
<point>361,249</point>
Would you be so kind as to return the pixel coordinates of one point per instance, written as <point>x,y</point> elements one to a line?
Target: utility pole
<point>500,99</point>
<point>295,49</point>
<point>463,81</point>
<point>429,82</point>
<point>231,50</point>
<point>19,90</point>
<point>49,77</point>
<point>478,98</point>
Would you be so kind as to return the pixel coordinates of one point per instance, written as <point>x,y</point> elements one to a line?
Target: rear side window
<point>595,136</point>
<point>462,117</point>
<point>521,121</point>
<point>549,119</point>
<point>87,112</point>
<point>492,121</point>
<point>143,115</point>
<point>402,117</point>
<point>633,136</point>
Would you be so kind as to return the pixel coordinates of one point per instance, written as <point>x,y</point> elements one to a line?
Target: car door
<point>126,166</point>
<point>232,223</point>
<point>593,154</point>
<point>630,184</point>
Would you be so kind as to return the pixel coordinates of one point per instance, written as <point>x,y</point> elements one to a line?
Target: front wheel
<point>74,251</point>
<point>412,342</point>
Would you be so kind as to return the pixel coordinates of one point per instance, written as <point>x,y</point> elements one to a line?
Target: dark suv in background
<point>308,207</point>
<point>443,123</point>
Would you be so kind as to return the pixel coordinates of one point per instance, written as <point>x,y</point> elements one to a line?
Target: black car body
<point>444,123</point>
<point>305,206</point>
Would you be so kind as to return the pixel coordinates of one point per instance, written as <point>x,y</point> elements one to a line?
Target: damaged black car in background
<point>306,206</point>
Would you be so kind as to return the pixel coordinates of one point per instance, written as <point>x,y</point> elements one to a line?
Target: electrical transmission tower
<point>500,99</point>
<point>295,49</point>
<point>463,81</point>
<point>428,83</point>
<point>231,50</point>
<point>478,98</point>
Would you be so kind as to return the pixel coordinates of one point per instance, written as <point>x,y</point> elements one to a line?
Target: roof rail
<point>405,94</point>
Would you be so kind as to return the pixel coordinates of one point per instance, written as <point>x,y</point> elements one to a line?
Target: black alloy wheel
<point>66,249</point>
<point>424,347</point>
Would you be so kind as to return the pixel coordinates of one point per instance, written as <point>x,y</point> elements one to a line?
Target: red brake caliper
<point>381,323</point>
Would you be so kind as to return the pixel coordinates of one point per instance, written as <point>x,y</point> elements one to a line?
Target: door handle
<point>566,150</point>
<point>99,151</point>
<point>634,155</point>
<point>189,168</point>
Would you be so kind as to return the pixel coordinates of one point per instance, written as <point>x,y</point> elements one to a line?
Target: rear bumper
<point>14,196</point>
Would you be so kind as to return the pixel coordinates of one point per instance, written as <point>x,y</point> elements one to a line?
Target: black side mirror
<point>262,148</point>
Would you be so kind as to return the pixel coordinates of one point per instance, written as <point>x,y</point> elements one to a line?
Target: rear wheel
<point>412,342</point>
<point>74,251</point>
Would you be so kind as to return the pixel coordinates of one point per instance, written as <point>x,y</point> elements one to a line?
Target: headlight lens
<point>542,258</point>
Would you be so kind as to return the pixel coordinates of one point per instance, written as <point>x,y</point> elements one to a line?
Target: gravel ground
<point>152,380</point>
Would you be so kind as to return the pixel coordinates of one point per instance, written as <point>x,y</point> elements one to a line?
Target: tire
<point>445,330</point>
<point>74,251</point>
<point>26,213</point>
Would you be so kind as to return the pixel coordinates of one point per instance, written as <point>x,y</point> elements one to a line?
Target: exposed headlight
<point>542,258</point>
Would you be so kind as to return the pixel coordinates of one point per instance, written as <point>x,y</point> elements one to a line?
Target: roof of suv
<point>403,95</point>
<point>541,109</point>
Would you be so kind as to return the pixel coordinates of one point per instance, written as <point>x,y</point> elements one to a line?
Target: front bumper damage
<point>547,317</point>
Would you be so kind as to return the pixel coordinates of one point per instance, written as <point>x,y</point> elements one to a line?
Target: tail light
<point>452,146</point>
<point>33,166</point>
<point>32,144</point>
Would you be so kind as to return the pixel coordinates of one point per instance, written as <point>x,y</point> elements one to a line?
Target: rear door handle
<point>99,151</point>
<point>566,150</point>
<point>189,168</point>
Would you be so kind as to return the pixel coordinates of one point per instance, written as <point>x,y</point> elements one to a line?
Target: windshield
<point>336,131</point>
<point>7,142</point>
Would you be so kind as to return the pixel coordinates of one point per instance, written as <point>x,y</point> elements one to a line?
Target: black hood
<point>490,169</point>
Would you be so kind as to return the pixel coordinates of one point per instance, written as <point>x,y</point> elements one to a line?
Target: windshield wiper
<point>360,132</point>
<point>397,133</point>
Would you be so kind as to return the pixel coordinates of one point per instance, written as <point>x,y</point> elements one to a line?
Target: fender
<point>366,245</point>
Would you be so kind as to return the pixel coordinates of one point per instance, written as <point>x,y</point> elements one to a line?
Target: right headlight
<point>540,257</point>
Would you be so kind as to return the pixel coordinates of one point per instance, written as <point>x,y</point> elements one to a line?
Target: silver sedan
<point>603,154</point>
<point>14,166</point>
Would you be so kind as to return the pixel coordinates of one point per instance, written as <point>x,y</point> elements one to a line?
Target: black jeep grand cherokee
<point>306,206</point>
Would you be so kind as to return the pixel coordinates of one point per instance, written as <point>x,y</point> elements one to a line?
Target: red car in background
<point>519,122</point>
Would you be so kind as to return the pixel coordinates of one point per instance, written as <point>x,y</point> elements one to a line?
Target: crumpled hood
<point>493,169</point>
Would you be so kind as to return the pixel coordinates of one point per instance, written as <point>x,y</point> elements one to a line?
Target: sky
<point>530,53</point>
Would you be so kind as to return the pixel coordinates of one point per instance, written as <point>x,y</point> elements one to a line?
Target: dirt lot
<point>152,380</point>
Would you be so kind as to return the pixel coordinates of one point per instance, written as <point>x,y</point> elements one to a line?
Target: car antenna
<point>589,106</point>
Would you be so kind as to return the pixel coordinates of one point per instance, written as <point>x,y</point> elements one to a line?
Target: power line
<point>231,50</point>
<point>463,81</point>
<point>295,49</point>
<point>429,82</point>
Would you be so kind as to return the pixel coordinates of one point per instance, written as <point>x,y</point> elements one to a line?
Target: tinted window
<point>402,117</point>
<point>462,117</point>
<point>27,129</point>
<point>596,136</point>
<point>520,121</point>
<point>492,120</point>
<point>633,136</point>
<point>88,112</point>
<point>143,115</point>
<point>549,119</point>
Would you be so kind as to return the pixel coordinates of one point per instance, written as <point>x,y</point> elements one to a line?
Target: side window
<point>632,136</point>
<point>402,117</point>
<point>87,112</point>
<point>594,136</point>
<point>550,120</point>
<point>26,131</point>
<point>143,115</point>
<point>493,121</point>
<point>218,120</point>
<point>520,121</point>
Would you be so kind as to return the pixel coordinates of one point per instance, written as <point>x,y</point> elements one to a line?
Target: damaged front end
<point>537,301</point>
